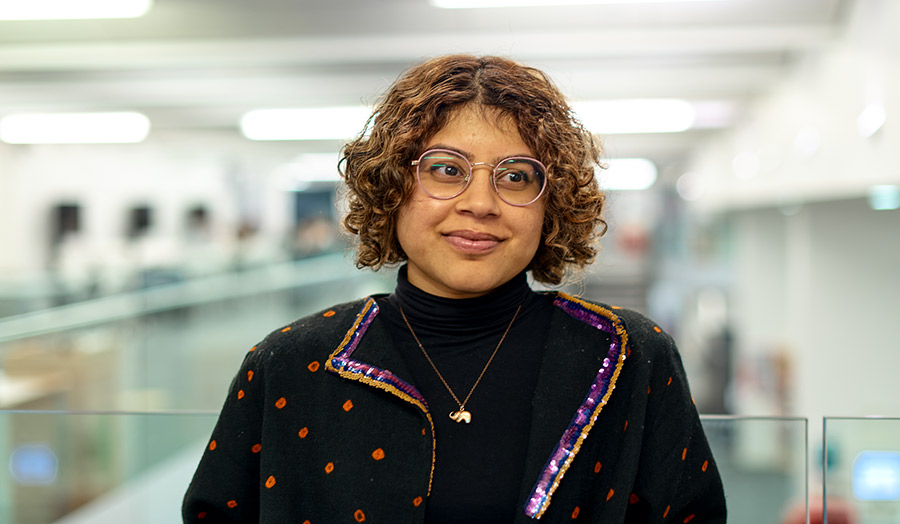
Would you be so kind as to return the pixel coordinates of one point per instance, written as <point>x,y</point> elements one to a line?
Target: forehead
<point>477,128</point>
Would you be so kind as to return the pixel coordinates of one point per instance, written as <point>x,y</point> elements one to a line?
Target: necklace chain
<point>462,415</point>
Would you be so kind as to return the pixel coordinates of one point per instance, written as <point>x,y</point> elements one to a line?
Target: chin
<point>470,286</point>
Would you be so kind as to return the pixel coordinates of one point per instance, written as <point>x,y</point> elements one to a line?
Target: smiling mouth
<point>470,242</point>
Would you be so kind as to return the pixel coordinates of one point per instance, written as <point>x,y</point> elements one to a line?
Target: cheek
<point>536,228</point>
<point>412,217</point>
<point>402,226</point>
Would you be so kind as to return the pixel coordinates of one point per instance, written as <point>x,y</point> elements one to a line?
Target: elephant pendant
<point>461,416</point>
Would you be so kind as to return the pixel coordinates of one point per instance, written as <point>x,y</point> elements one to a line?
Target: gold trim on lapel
<point>581,423</point>
<point>341,363</point>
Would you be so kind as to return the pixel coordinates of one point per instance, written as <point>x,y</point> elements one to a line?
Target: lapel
<point>366,355</point>
<point>582,361</point>
<point>584,355</point>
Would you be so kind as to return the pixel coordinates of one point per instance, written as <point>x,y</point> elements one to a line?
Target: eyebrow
<point>470,157</point>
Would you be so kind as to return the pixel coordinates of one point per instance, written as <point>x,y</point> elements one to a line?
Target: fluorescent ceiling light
<point>320,123</point>
<point>72,9</point>
<point>470,4</point>
<point>627,174</point>
<point>74,128</point>
<point>651,115</point>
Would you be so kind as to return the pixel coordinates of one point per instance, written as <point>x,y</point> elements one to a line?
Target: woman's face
<point>471,244</point>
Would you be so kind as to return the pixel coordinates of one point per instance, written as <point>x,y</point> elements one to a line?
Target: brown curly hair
<point>376,164</point>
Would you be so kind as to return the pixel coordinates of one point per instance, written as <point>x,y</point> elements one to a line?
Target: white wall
<point>816,271</point>
<point>804,135</point>
<point>821,286</point>
<point>169,173</point>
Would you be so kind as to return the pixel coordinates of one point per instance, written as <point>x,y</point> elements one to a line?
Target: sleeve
<point>677,479</point>
<point>225,486</point>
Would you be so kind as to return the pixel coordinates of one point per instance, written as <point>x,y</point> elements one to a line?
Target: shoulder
<point>320,332</point>
<point>635,329</point>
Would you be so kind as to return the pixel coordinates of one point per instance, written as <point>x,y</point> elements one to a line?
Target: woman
<point>464,396</point>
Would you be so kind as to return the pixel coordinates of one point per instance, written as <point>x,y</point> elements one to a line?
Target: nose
<point>479,198</point>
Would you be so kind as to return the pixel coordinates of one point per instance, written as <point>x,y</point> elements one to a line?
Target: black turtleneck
<point>478,470</point>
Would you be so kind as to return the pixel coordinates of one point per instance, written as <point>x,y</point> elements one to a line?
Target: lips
<point>472,242</point>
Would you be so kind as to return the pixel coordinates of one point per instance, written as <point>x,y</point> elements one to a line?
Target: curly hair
<point>376,164</point>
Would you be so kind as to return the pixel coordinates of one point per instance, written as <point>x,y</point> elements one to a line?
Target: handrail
<point>312,271</point>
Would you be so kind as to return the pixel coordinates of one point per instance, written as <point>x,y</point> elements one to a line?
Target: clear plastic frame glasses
<point>445,174</point>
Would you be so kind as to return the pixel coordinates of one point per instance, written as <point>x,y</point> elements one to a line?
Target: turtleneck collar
<point>450,315</point>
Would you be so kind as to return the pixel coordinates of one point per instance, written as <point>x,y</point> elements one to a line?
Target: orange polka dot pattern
<point>657,373</point>
<point>689,457</point>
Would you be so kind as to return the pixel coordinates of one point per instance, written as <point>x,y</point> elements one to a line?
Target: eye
<point>447,170</point>
<point>444,167</point>
<point>517,177</point>
<point>517,174</point>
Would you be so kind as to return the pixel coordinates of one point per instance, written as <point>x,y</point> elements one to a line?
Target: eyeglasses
<point>445,174</point>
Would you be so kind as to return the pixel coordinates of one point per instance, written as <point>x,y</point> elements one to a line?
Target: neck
<point>460,315</point>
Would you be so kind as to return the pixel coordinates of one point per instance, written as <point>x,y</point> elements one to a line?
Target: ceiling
<point>198,65</point>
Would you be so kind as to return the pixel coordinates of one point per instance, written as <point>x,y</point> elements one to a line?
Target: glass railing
<point>862,470</point>
<point>763,464</point>
<point>106,406</point>
<point>98,468</point>
<point>172,347</point>
<point>110,468</point>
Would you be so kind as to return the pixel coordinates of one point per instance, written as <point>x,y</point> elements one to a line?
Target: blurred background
<point>169,195</point>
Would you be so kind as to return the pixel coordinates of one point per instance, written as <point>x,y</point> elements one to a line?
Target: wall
<point>169,173</point>
<point>815,270</point>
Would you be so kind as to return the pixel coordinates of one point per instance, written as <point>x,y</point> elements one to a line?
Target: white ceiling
<point>199,64</point>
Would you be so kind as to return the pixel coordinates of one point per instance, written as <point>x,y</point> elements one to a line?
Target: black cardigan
<point>322,424</point>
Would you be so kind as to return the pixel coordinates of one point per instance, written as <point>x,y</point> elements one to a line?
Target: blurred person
<point>464,395</point>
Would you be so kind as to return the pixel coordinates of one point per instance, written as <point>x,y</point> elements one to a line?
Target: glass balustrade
<point>763,464</point>
<point>167,348</point>
<point>114,467</point>
<point>861,477</point>
<point>106,406</point>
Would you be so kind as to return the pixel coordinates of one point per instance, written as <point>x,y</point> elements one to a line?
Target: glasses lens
<point>519,181</point>
<point>443,174</point>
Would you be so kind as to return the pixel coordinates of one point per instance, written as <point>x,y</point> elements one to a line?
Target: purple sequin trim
<point>342,361</point>
<point>565,448</point>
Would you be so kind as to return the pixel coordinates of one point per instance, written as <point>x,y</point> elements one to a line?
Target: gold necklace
<point>461,415</point>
